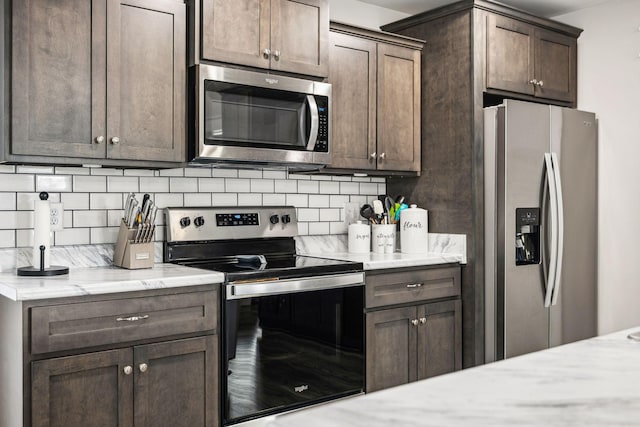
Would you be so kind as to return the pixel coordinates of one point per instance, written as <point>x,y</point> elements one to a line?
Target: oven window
<point>257,117</point>
<point>285,351</point>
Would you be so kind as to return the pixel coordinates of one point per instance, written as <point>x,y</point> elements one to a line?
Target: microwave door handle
<point>315,122</point>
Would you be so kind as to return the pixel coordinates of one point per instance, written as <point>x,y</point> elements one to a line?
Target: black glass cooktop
<point>250,267</point>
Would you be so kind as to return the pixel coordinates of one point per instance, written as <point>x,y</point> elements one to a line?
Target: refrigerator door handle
<point>560,218</point>
<point>551,183</point>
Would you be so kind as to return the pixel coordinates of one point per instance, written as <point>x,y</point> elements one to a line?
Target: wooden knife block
<point>132,255</point>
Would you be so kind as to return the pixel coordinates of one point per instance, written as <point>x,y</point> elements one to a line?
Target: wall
<point>609,84</point>
<point>93,198</point>
<point>362,14</point>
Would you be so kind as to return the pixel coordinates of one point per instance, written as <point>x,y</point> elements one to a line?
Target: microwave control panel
<point>322,143</point>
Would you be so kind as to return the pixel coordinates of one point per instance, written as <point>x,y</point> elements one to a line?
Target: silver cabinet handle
<point>533,82</point>
<point>414,322</point>
<point>99,139</point>
<point>382,156</point>
<point>132,318</point>
<point>276,54</point>
<point>115,140</point>
<point>414,285</point>
<point>143,367</point>
<point>423,320</point>
<point>128,370</point>
<point>374,155</point>
<point>266,53</point>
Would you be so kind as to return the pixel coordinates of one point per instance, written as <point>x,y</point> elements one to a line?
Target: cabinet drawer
<point>88,324</point>
<point>411,286</point>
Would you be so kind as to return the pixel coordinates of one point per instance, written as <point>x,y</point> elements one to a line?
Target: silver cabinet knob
<point>128,370</point>
<point>266,53</point>
<point>423,320</point>
<point>414,322</point>
<point>143,367</point>
<point>115,140</point>
<point>99,139</point>
<point>540,83</point>
<point>373,155</point>
<point>276,54</point>
<point>382,155</point>
<point>533,82</point>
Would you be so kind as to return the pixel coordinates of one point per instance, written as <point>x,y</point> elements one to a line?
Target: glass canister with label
<point>414,230</point>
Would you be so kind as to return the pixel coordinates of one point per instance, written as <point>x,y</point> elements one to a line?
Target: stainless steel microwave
<point>241,116</point>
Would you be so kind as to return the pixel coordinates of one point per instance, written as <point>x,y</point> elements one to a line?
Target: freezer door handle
<point>560,219</point>
<point>550,183</point>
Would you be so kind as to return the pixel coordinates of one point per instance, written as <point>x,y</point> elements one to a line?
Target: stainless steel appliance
<point>540,227</point>
<point>293,325</point>
<point>241,116</point>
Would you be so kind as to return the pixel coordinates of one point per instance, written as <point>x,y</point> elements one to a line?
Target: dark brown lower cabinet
<point>411,343</point>
<point>170,383</point>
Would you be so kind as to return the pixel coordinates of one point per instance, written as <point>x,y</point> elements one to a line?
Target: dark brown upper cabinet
<point>284,35</point>
<point>99,81</point>
<point>530,60</point>
<point>375,80</point>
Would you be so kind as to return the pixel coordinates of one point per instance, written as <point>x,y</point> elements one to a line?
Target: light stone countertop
<point>103,280</point>
<point>595,382</point>
<point>374,261</point>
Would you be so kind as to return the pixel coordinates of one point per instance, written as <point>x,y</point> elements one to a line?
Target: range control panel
<point>224,223</point>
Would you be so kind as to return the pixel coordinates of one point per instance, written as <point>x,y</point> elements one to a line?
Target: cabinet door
<point>86,390</point>
<point>555,65</point>
<point>58,78</point>
<point>352,74</point>
<point>177,383</point>
<point>236,31</point>
<point>398,125</point>
<point>509,58</point>
<point>300,36</point>
<point>391,348</point>
<point>439,338</point>
<point>146,80</point>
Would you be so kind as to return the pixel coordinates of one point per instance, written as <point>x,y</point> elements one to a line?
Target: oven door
<point>290,348</point>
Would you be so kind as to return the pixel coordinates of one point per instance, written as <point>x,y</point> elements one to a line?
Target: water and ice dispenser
<point>527,236</point>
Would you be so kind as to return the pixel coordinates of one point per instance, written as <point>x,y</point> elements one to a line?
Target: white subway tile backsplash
<point>16,220</point>
<point>24,238</point>
<point>349,188</point>
<point>154,184</point>
<point>308,215</point>
<point>377,179</point>
<point>330,187</point>
<point>262,186</point>
<point>318,201</point>
<point>67,219</point>
<point>361,200</point>
<point>368,188</point>
<point>7,169</point>
<point>16,182</point>
<point>163,200</point>
<point>35,169</point>
<point>249,199</point>
<point>171,172</point>
<point>197,199</point>
<point>72,236</point>
<point>90,184</point>
<point>106,172</point>
<point>286,186</point>
<point>224,173</point>
<point>54,183</point>
<point>183,185</point>
<point>93,218</point>
<point>104,235</point>
<point>303,228</point>
<point>298,200</point>
<point>338,201</point>
<point>341,178</point>
<point>320,178</point>
<point>105,201</point>
<point>247,173</point>
<point>272,174</point>
<point>123,184</point>
<point>311,187</point>
<point>361,179</point>
<point>318,228</point>
<point>7,201</point>
<point>224,199</point>
<point>233,185</point>
<point>75,201</point>
<point>139,172</point>
<point>197,172</point>
<point>24,201</point>
<point>7,238</point>
<point>211,185</point>
<point>114,217</point>
<point>382,188</point>
<point>271,199</point>
<point>66,170</point>
<point>329,214</point>
<point>338,228</point>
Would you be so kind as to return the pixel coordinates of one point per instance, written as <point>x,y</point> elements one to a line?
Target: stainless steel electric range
<point>293,325</point>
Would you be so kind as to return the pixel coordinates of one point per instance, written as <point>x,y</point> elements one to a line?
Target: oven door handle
<point>278,287</point>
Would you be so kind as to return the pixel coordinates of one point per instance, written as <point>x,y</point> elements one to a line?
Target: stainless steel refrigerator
<point>540,183</point>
